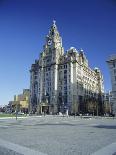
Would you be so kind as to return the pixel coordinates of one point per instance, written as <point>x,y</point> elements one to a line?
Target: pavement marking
<point>19,149</point>
<point>108,150</point>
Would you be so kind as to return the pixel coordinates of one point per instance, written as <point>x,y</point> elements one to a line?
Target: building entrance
<point>45,109</point>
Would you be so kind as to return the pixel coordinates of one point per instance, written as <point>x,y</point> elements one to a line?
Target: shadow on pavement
<point>58,124</point>
<point>106,126</point>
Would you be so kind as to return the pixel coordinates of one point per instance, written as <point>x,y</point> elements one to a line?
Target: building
<point>112,67</point>
<point>63,81</point>
<point>108,103</point>
<point>21,102</point>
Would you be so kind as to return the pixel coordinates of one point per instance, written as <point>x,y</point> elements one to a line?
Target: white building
<point>112,66</point>
<point>62,81</point>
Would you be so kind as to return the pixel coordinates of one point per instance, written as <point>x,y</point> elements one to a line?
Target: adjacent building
<point>63,81</point>
<point>21,102</point>
<point>112,67</point>
<point>108,103</point>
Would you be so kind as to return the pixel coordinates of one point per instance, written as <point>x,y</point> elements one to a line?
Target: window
<point>65,71</point>
<point>65,88</point>
<point>35,77</point>
<point>114,64</point>
<point>48,69</point>
<point>46,74</point>
<point>65,82</point>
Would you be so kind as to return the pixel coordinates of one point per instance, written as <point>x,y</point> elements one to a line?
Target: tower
<point>53,50</point>
<point>46,70</point>
<point>53,44</point>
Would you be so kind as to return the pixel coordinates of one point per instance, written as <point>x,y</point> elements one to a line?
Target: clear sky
<point>86,24</point>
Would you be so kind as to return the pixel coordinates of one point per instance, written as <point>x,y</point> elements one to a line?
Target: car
<point>20,113</point>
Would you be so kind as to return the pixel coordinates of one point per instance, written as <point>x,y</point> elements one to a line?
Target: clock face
<point>58,43</point>
<point>49,42</point>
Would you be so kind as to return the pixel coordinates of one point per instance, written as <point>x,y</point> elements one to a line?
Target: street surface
<point>54,135</point>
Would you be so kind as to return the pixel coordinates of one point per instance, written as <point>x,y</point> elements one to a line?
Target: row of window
<point>62,66</point>
<point>88,80</point>
<point>89,71</point>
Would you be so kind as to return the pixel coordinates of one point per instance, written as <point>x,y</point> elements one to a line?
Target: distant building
<point>21,101</point>
<point>112,67</point>
<point>108,103</point>
<point>61,82</point>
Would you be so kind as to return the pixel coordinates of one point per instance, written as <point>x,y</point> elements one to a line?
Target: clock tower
<point>54,43</point>
<point>48,68</point>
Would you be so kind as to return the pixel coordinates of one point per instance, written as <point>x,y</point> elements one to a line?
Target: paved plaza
<point>54,135</point>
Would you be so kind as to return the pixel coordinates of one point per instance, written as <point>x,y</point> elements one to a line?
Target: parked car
<point>20,113</point>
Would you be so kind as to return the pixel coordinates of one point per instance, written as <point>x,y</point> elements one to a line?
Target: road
<point>53,135</point>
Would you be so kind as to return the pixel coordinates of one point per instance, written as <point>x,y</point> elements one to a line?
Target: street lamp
<point>16,110</point>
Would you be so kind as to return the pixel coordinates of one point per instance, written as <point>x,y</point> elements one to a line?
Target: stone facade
<point>63,81</point>
<point>112,67</point>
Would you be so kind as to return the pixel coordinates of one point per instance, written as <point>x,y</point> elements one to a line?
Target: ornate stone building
<point>63,81</point>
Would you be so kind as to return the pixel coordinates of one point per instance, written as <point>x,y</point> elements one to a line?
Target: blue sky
<point>86,24</point>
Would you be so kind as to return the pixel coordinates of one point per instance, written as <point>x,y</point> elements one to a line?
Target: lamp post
<point>97,107</point>
<point>53,109</point>
<point>17,109</point>
<point>63,107</point>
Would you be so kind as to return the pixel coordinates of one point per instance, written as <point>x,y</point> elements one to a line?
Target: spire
<point>53,38</point>
<point>54,22</point>
<point>53,29</point>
